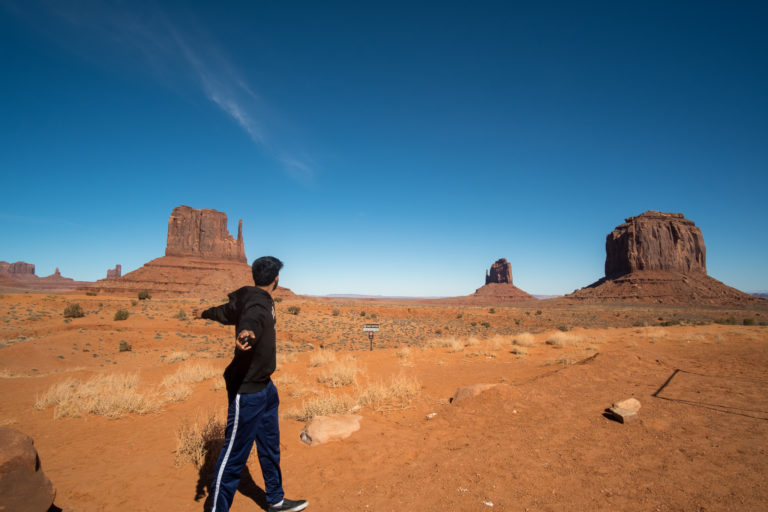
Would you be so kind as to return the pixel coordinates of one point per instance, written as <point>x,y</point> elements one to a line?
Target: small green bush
<point>73,311</point>
<point>144,295</point>
<point>294,310</point>
<point>121,314</point>
<point>125,346</point>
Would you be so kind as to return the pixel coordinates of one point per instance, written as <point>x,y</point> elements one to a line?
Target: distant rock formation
<point>203,234</point>
<point>20,276</point>
<point>501,272</point>
<point>655,241</point>
<point>659,258</point>
<point>17,269</point>
<point>202,260</point>
<point>114,273</point>
<point>498,287</point>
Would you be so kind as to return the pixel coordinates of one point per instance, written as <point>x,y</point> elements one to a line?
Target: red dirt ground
<point>540,444</point>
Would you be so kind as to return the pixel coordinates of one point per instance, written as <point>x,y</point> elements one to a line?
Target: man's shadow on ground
<point>247,486</point>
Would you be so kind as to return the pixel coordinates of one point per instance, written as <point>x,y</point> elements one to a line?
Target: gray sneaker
<point>289,506</point>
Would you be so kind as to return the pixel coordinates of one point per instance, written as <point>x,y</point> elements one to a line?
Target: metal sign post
<point>370,329</point>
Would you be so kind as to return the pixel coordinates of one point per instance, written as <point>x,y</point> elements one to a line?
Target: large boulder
<point>323,429</point>
<point>23,485</point>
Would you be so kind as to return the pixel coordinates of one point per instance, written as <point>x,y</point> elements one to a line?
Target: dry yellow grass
<point>176,357</point>
<point>177,392</point>
<point>524,339</point>
<point>403,353</point>
<point>339,374</point>
<point>195,439</point>
<point>113,396</point>
<point>519,351</point>
<point>195,372</point>
<point>322,405</point>
<point>322,357</point>
<point>286,379</point>
<point>564,339</point>
<point>397,392</point>
<point>285,357</point>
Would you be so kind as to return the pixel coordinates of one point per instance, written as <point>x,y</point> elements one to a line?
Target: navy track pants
<point>251,418</point>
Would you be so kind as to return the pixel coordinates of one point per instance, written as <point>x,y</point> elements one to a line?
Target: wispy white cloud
<point>182,46</point>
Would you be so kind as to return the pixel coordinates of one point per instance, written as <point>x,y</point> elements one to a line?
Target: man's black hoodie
<point>249,308</point>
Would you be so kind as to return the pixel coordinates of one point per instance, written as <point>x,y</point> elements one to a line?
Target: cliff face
<point>203,234</point>
<point>655,241</point>
<point>17,269</point>
<point>500,272</point>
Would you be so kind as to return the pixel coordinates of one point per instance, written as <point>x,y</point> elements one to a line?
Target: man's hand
<point>243,337</point>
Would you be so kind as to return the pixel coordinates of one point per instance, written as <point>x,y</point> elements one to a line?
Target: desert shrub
<point>278,299</point>
<point>294,310</point>
<point>473,324</point>
<point>726,321</point>
<point>335,312</point>
<point>339,375</point>
<point>110,395</point>
<point>181,315</point>
<point>189,373</point>
<point>73,311</point>
<point>398,392</point>
<point>519,351</point>
<point>175,357</point>
<point>362,313</point>
<point>492,310</point>
<point>134,302</point>
<point>459,315</point>
<point>121,314</point>
<point>524,339</point>
<point>324,405</point>
<point>322,357</point>
<point>563,328</point>
<point>749,321</point>
<point>563,339</point>
<point>144,295</point>
<point>485,324</point>
<point>538,311</point>
<point>455,345</point>
<point>667,323</point>
<point>90,294</point>
<point>517,321</point>
<point>195,440</point>
<point>403,353</point>
<point>177,392</point>
<point>125,346</point>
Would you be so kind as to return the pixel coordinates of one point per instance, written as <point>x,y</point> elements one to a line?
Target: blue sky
<point>389,148</point>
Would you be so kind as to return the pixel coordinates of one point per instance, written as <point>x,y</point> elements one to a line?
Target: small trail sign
<point>370,329</point>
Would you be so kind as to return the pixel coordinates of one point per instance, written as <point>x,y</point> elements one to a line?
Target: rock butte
<point>21,276</point>
<point>658,257</point>
<point>498,288</point>
<point>202,260</point>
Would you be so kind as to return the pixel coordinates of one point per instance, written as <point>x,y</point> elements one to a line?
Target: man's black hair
<point>265,270</point>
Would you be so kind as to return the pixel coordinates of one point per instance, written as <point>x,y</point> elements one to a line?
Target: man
<point>253,400</point>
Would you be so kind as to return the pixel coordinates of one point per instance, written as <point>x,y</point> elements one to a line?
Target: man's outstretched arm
<point>224,314</point>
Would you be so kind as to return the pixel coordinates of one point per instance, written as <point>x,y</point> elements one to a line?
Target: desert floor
<point>117,430</point>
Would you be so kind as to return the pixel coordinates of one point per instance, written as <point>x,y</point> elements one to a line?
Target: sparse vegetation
<point>109,395</point>
<point>293,310</point>
<point>125,346</point>
<point>73,311</point>
<point>563,339</point>
<point>121,314</point>
<point>339,375</point>
<point>144,295</point>
<point>195,440</point>
<point>181,315</point>
<point>322,357</point>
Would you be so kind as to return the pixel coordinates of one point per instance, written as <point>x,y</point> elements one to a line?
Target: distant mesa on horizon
<point>20,276</point>
<point>202,259</point>
<point>114,273</point>
<point>658,257</point>
<point>499,286</point>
